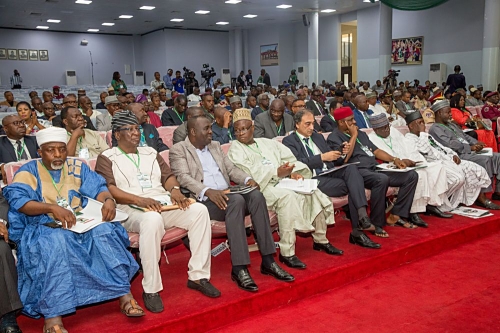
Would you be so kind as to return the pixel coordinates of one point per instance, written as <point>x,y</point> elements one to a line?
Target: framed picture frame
<point>33,55</point>
<point>22,54</point>
<point>269,55</point>
<point>407,51</point>
<point>12,54</point>
<point>3,54</point>
<point>43,55</point>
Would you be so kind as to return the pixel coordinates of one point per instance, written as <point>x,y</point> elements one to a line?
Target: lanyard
<point>255,150</point>
<point>54,182</point>
<point>132,160</point>
<point>387,144</point>
<point>433,144</point>
<point>177,113</point>
<point>329,115</point>
<point>357,140</point>
<point>280,127</point>
<point>306,141</point>
<point>228,132</point>
<point>448,127</point>
<point>20,153</point>
<point>80,139</point>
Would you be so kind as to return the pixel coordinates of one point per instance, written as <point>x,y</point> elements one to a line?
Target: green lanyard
<point>256,150</point>
<point>454,132</point>
<point>390,140</point>
<point>307,143</point>
<point>80,139</point>
<point>280,127</point>
<point>329,115</point>
<point>20,153</point>
<point>177,113</point>
<point>54,182</point>
<point>357,140</point>
<point>132,160</point>
<point>228,132</point>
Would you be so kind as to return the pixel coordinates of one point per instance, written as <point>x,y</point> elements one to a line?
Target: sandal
<point>404,224</point>
<point>379,232</point>
<point>132,309</point>
<point>58,328</point>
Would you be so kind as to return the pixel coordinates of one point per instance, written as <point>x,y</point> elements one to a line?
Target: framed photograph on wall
<point>3,54</point>
<point>269,55</point>
<point>33,54</point>
<point>12,53</point>
<point>44,55</point>
<point>23,54</point>
<point>407,51</point>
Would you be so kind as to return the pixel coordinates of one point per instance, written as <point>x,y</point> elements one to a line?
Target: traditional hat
<point>123,118</point>
<point>51,134</point>
<point>111,100</point>
<point>110,88</point>
<point>397,93</point>
<point>493,93</point>
<point>412,115</point>
<point>242,114</point>
<point>440,104</point>
<point>371,94</point>
<point>378,120</point>
<point>472,90</point>
<point>437,96</point>
<point>56,87</point>
<point>479,86</point>
<point>234,99</point>
<point>342,113</point>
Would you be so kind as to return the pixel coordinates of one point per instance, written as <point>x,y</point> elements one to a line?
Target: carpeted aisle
<point>455,291</point>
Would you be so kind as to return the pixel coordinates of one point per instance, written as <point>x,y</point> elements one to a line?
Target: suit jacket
<point>152,138</point>
<point>266,128</point>
<point>311,105</point>
<point>103,122</point>
<point>57,122</point>
<point>180,133</point>
<point>294,143</point>
<point>187,167</point>
<point>222,134</point>
<point>169,118</point>
<point>256,111</point>
<point>328,124</point>
<point>8,153</point>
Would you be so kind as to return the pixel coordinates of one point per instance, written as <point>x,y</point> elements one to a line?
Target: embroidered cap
<point>342,113</point>
<point>234,99</point>
<point>51,134</point>
<point>440,105</point>
<point>412,116</point>
<point>242,114</point>
<point>123,118</point>
<point>378,121</point>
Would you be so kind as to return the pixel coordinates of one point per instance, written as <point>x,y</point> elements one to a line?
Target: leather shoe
<point>10,329</point>
<point>365,224</point>
<point>364,241</point>
<point>417,220</point>
<point>277,272</point>
<point>487,204</point>
<point>205,287</point>
<point>244,280</point>
<point>153,302</point>
<point>292,261</point>
<point>328,248</point>
<point>433,210</point>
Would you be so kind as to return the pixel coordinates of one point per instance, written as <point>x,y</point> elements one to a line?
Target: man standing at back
<point>178,82</point>
<point>168,79</point>
<point>456,80</point>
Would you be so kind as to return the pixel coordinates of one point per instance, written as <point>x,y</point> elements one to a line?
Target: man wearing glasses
<point>70,100</point>
<point>316,104</point>
<point>274,122</point>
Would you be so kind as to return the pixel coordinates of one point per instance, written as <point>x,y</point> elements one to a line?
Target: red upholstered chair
<point>367,130</point>
<point>109,138</point>
<point>318,119</point>
<point>167,134</point>
<point>10,169</point>
<point>91,162</point>
<point>279,138</point>
<point>103,135</point>
<point>225,147</point>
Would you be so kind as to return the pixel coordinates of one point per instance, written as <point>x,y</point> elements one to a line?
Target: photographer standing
<point>191,83</point>
<point>178,82</point>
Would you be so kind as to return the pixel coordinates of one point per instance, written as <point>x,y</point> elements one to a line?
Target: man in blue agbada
<point>58,269</point>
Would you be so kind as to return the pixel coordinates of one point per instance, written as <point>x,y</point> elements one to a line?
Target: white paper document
<point>303,186</point>
<point>91,216</point>
<point>335,169</point>
<point>393,168</point>
<point>486,151</point>
<point>474,213</point>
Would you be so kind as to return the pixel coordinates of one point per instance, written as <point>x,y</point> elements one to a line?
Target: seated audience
<point>274,122</point>
<point>29,118</point>
<point>263,105</point>
<point>120,167</point>
<point>362,111</point>
<point>328,123</point>
<point>222,127</point>
<point>103,120</point>
<point>195,96</point>
<point>157,83</point>
<point>251,102</point>
<point>117,83</point>
<point>70,100</point>
<point>102,97</point>
<point>87,110</point>
<point>235,103</point>
<point>36,103</point>
<point>362,150</point>
<point>9,99</point>
<point>175,116</point>
<point>316,104</point>
<point>403,105</point>
<point>208,103</point>
<point>202,168</point>
<point>180,133</point>
<point>48,113</point>
<point>53,188</point>
<point>298,105</point>
<point>490,109</point>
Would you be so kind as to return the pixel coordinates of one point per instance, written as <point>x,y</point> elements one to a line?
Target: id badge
<point>367,151</point>
<point>144,181</point>
<point>266,162</point>
<point>462,140</point>
<point>84,153</point>
<point>62,202</point>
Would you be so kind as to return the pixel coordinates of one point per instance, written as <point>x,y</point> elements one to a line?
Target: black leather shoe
<point>204,287</point>
<point>487,204</point>
<point>153,302</point>
<point>365,224</point>
<point>328,248</point>
<point>244,280</point>
<point>364,241</point>
<point>417,220</point>
<point>292,261</point>
<point>10,329</point>
<point>433,210</point>
<point>495,196</point>
<point>277,272</point>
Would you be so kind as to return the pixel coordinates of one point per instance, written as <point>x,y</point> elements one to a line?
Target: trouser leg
<point>378,183</point>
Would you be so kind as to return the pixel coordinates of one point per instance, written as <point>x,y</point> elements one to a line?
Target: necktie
<point>21,153</point>
<point>310,153</point>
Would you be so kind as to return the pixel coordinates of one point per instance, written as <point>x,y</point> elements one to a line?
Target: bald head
<point>361,102</point>
<point>194,111</point>
<point>219,112</point>
<point>138,110</point>
<point>277,104</point>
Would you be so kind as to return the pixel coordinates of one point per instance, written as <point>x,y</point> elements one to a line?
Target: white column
<point>238,52</point>
<point>312,48</point>
<point>385,42</point>
<point>491,45</point>
<point>246,51</point>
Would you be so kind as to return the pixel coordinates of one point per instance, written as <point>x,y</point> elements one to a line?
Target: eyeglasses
<point>130,129</point>
<point>17,123</point>
<point>242,131</point>
<point>299,106</point>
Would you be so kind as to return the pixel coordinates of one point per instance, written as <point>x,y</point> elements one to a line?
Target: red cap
<point>342,113</point>
<point>493,93</point>
<point>436,97</point>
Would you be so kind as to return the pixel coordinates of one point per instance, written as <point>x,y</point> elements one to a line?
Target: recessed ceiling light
<point>250,16</point>
<point>328,10</point>
<point>202,12</point>
<point>108,24</point>
<point>93,30</point>
<point>222,23</point>
<point>283,6</point>
<point>125,16</point>
<point>147,7</point>
<point>83,2</point>
<point>42,27</point>
<point>370,1</point>
<point>233,1</point>
<point>176,20</point>
<point>53,21</point>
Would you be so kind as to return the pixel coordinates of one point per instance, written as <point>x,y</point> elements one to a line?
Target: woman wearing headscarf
<point>153,118</point>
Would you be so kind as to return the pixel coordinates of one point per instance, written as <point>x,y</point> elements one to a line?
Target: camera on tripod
<point>207,73</point>
<point>186,72</point>
<point>393,73</point>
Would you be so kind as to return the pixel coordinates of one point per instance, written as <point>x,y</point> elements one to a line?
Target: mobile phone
<point>53,224</point>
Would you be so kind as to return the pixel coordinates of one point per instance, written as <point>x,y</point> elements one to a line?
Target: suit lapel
<point>301,145</point>
<point>10,149</point>
<point>273,125</point>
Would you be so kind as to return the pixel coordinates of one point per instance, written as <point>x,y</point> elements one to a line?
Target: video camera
<point>393,73</point>
<point>186,72</point>
<point>207,73</point>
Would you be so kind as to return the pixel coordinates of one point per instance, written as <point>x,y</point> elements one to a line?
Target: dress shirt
<point>168,82</point>
<point>313,147</point>
<point>14,144</point>
<point>212,176</point>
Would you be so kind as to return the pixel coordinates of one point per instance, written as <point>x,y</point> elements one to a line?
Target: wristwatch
<point>110,198</point>
<point>175,188</point>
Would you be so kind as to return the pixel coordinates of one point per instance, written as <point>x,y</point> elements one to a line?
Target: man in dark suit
<point>16,145</point>
<point>328,123</point>
<point>274,122</point>
<point>262,105</point>
<point>149,135</point>
<point>311,149</point>
<point>175,116</point>
<point>202,168</point>
<point>316,104</point>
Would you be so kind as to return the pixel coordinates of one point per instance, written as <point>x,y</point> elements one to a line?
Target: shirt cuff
<point>247,179</point>
<point>202,196</point>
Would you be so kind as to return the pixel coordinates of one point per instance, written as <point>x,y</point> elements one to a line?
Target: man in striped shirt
<point>16,80</point>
